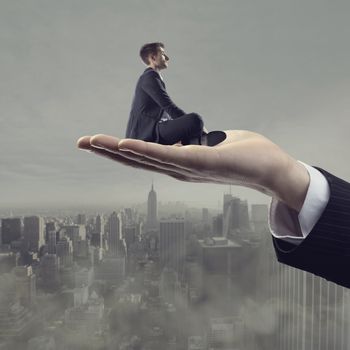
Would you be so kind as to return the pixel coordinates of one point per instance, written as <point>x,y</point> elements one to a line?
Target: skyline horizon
<point>54,204</point>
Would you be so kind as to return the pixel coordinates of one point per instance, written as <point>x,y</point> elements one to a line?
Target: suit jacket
<point>150,102</point>
<point>326,250</point>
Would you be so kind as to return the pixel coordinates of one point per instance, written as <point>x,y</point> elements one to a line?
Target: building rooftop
<point>218,242</point>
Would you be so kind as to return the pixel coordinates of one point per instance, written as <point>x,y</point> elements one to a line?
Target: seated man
<point>154,116</point>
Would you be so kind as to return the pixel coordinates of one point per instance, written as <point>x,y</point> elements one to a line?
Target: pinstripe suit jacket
<point>326,250</point>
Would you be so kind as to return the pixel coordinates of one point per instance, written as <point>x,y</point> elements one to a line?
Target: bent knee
<point>196,121</point>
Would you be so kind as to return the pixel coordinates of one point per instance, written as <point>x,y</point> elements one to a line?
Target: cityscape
<point>155,277</point>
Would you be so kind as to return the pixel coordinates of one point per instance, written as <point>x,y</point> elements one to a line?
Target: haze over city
<point>160,277</point>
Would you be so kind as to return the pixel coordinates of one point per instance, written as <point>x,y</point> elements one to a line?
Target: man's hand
<point>244,158</point>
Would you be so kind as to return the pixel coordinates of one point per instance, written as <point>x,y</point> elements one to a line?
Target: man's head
<point>153,55</point>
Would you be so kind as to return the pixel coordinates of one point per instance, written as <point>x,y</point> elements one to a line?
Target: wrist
<point>294,183</point>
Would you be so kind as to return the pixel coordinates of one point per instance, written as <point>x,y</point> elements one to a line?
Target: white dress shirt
<point>285,223</point>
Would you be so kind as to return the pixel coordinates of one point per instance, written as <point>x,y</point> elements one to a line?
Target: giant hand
<point>245,158</point>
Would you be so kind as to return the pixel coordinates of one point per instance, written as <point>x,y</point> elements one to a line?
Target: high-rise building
<point>33,232</point>
<point>259,217</point>
<point>131,233</point>
<point>111,270</point>
<point>49,227</point>
<point>64,250</point>
<point>97,236</point>
<point>81,295</point>
<point>129,215</point>
<point>97,240</point>
<point>243,222</point>
<point>114,235</point>
<point>205,216</point>
<point>87,317</point>
<point>96,255</point>
<point>81,250</point>
<point>81,219</point>
<point>218,225</point>
<point>100,224</point>
<point>315,311</point>
<point>152,222</point>
<point>8,260</point>
<point>219,260</point>
<point>83,277</point>
<point>51,242</point>
<point>235,217</point>
<point>10,230</point>
<point>231,212</point>
<point>172,244</point>
<point>15,321</point>
<point>76,233</point>
<point>25,282</point>
<point>49,271</point>
<point>170,287</point>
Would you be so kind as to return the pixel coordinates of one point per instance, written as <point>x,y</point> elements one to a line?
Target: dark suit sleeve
<point>153,86</point>
<point>326,250</point>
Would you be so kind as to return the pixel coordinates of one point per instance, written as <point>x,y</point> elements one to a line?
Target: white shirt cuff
<point>285,223</point>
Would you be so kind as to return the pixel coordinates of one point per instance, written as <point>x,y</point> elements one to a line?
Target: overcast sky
<point>69,68</point>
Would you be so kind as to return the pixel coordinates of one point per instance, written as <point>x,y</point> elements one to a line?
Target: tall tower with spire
<point>152,209</point>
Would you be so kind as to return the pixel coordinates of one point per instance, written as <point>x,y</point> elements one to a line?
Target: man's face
<point>160,60</point>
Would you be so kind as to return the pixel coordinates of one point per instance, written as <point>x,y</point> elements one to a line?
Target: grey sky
<point>68,68</point>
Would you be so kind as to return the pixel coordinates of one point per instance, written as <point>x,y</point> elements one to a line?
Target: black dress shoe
<point>212,138</point>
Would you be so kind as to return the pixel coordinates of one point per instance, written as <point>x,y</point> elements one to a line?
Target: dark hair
<point>149,49</point>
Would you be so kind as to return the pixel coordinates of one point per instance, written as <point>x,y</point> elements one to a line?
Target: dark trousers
<point>185,128</point>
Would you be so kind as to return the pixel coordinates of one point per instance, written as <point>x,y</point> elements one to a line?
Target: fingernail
<point>97,145</point>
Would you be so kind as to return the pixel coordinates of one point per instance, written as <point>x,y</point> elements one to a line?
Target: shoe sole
<point>215,137</point>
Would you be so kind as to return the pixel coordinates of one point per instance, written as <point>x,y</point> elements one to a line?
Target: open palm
<point>245,158</point>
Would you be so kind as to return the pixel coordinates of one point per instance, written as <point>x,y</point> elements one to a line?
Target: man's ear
<point>151,58</point>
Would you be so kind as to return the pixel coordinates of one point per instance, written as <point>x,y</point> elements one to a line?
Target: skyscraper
<point>51,242</point>
<point>172,244</point>
<point>76,233</point>
<point>81,219</point>
<point>49,267</point>
<point>111,270</point>
<point>219,260</point>
<point>97,236</point>
<point>316,312</point>
<point>243,222</point>
<point>218,225</point>
<point>205,216</point>
<point>25,282</point>
<point>100,224</point>
<point>259,217</point>
<point>34,232</point>
<point>231,213</point>
<point>152,210</point>
<point>50,226</point>
<point>169,285</point>
<point>64,249</point>
<point>10,230</point>
<point>129,215</point>
<point>114,235</point>
<point>235,216</point>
